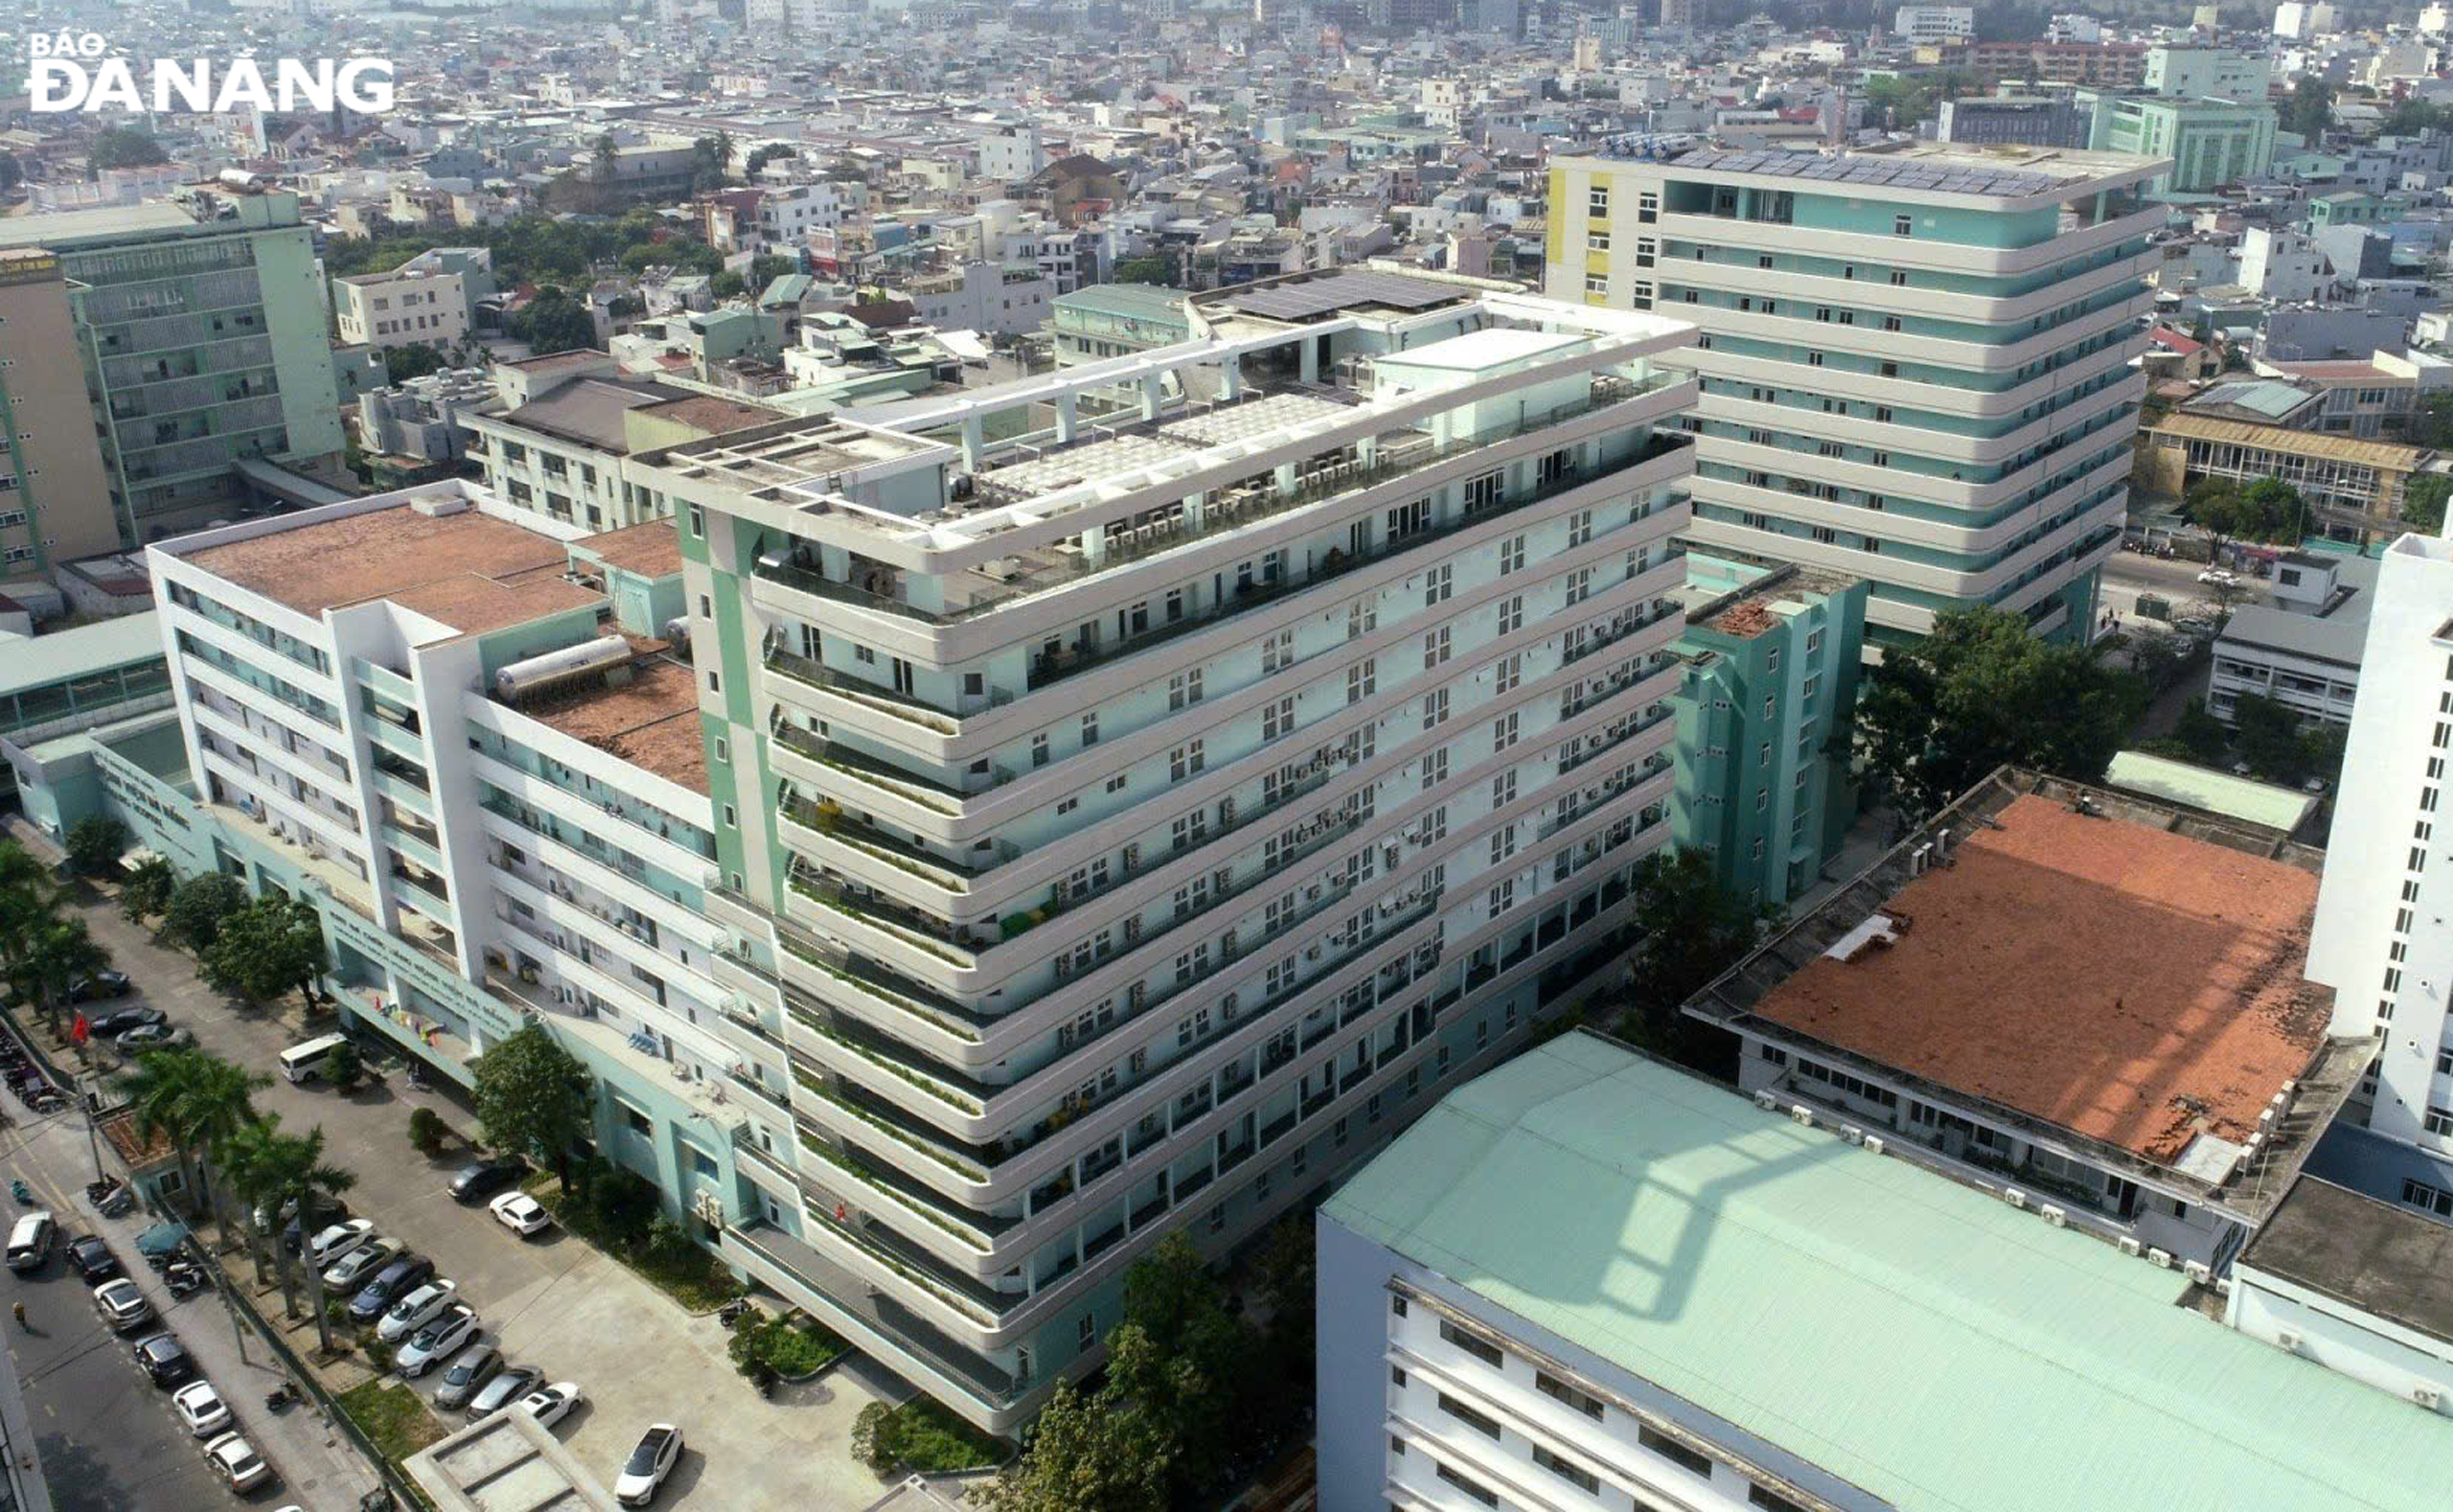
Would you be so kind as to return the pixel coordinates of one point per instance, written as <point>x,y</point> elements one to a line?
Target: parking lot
<point>553,1301</point>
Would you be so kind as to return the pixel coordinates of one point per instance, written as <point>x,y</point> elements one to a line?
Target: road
<point>2128,574</point>
<point>108,1439</point>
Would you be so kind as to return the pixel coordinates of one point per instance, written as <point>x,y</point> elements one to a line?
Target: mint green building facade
<point>203,342</point>
<point>1765,712</point>
<point>2210,142</point>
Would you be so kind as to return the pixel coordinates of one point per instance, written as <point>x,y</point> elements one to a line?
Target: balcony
<point>945,1017</point>
<point>936,798</point>
<point>826,819</point>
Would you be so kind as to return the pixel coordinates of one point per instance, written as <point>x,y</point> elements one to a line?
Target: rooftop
<point>1962,1351</point>
<point>65,229</point>
<point>2383,454</point>
<point>468,570</point>
<point>650,549</point>
<point>652,722</point>
<point>589,411</point>
<point>2120,972</point>
<point>1986,170</point>
<point>2338,633</point>
<point>2269,398</point>
<point>2383,1259</point>
<point>62,654</point>
<point>2184,785</point>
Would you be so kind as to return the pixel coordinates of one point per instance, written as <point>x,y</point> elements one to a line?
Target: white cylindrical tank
<point>555,669</point>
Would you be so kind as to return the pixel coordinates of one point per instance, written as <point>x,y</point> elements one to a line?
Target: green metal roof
<point>1916,1338</point>
<point>88,649</point>
<point>2215,791</point>
<point>67,229</point>
<point>1132,301</point>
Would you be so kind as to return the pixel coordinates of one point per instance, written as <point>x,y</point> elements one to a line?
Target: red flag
<point>80,1030</point>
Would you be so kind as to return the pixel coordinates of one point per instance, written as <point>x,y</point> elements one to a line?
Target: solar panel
<point>1344,290</point>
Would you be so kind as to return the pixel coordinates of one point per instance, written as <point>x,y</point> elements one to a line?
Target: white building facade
<point>1133,821</point>
<point>399,310</point>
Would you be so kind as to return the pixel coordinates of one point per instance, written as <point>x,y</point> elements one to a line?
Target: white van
<point>304,1063</point>
<point>30,1242</point>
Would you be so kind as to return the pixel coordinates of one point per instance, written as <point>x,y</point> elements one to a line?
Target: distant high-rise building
<point>55,496</point>
<point>1678,15</point>
<point>1915,365</point>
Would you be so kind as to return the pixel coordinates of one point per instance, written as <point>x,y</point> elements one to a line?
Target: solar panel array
<point>1876,171</point>
<point>1321,296</point>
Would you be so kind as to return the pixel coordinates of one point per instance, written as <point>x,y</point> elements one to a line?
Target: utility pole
<point>93,1137</point>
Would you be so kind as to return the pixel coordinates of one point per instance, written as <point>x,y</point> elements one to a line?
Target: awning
<point>130,860</point>
<point>161,1239</point>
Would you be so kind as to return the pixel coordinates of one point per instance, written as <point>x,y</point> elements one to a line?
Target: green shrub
<point>873,1437</point>
<point>426,1131</point>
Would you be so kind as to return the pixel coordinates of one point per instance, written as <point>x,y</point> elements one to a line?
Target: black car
<point>119,1020</point>
<point>482,1179</point>
<point>164,1359</point>
<point>93,1258</point>
<point>388,1286</point>
<point>102,984</point>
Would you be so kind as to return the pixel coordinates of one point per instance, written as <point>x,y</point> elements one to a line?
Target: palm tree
<point>293,1166</point>
<point>219,1104</point>
<point>245,1161</point>
<point>605,153</point>
<point>157,1095</point>
<point>59,954</point>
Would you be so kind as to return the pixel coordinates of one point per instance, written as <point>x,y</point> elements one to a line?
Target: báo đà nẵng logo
<point>77,71</point>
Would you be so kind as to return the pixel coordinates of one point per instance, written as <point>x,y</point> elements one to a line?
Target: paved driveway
<point>555,1301</point>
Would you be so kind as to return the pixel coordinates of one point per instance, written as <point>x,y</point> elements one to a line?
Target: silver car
<point>470,1370</point>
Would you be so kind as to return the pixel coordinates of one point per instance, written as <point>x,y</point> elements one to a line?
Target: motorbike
<point>183,1279</point>
<point>24,1194</point>
<point>281,1396</point>
<point>731,1313</point>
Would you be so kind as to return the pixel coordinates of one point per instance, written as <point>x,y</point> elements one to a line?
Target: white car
<point>642,1473</point>
<point>350,1271</point>
<point>416,1310</point>
<point>201,1408</point>
<point>550,1405</point>
<point>520,1213</point>
<point>121,1305</point>
<point>237,1462</point>
<point>437,1340</point>
<point>338,1241</point>
<point>2217,577</point>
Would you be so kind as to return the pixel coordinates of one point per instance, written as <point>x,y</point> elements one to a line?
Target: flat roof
<point>2191,786</point>
<point>2379,1257</point>
<point>67,229</point>
<point>589,410</point>
<point>2101,972</point>
<point>1478,350</point>
<point>1134,301</point>
<point>40,660</point>
<point>1994,171</point>
<point>2337,633</point>
<point>651,548</point>
<point>468,570</point>
<point>1309,297</point>
<point>1948,1352</point>
<point>652,722</point>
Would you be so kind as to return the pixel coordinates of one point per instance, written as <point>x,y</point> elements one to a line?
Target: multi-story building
<point>416,431</point>
<point>2303,651</point>
<point>400,308</point>
<point>1555,1290</point>
<point>982,296</point>
<point>1011,153</point>
<point>1934,23</point>
<point>201,329</point>
<point>2381,934</point>
<point>2352,487</point>
<point>2014,119</point>
<point>789,214</point>
<point>2210,143</point>
<point>1130,823</point>
<point>1765,713</point>
<point>406,710</point>
<point>1915,365</point>
<point>1113,320</point>
<point>55,496</point>
<point>2209,72</point>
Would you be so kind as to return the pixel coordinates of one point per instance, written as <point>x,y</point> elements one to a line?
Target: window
<point>1903,225</point>
<point>1597,241</point>
<point>1473,1344</point>
<point>2438,1120</point>
<point>1435,648</point>
<point>1596,283</point>
<point>1278,718</point>
<point>1506,673</point>
<point>1598,202</point>
<point>1091,728</point>
<point>1472,1488</point>
<point>1436,585</point>
<point>1676,1453</point>
<point>1184,688</point>
<point>1482,493</point>
<point>1553,1386</point>
<point>1185,761</point>
<point>1479,1421</point>
<point>1511,554</point>
<point>698,521</point>
<point>732,818</point>
<point>1584,1481</point>
<point>2420,1194</point>
<point>1362,680</point>
<point>1504,788</point>
<point>1511,614</point>
<point>1086,1331</point>
<point>1502,733</point>
<point>1435,768</point>
<point>1579,527</point>
<point>1434,709</point>
<point>1771,1500</point>
<point>1362,618</point>
<point>1277,651</point>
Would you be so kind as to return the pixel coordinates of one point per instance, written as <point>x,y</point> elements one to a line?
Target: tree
<point>1939,713</point>
<point>2432,428</point>
<point>602,156</point>
<point>727,285</point>
<point>415,360</point>
<point>2278,746</point>
<point>2310,111</point>
<point>96,842</point>
<point>2273,510</point>
<point>1688,929</point>
<point>29,904</point>
<point>760,156</point>
<point>533,1099</point>
<point>426,1130</point>
<point>147,892</point>
<point>12,172</point>
<point>200,1101</point>
<point>1084,1458</point>
<point>554,322</point>
<point>1188,1361</point>
<point>766,269</point>
<point>2201,733</point>
<point>286,1168</point>
<point>265,949</point>
<point>1145,271</point>
<point>60,953</point>
<point>2423,500</point>
<point>345,1067</point>
<point>126,146</point>
<point>198,905</point>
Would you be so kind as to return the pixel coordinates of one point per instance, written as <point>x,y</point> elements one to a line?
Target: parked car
<point>121,1305</point>
<point>338,1240</point>
<point>643,1473</point>
<point>470,1369</point>
<point>520,1213</point>
<point>201,1408</point>
<point>505,1388</point>
<point>2219,578</point>
<point>481,1179</point>
<point>438,1338</point>
<point>102,984</point>
<point>157,1036</point>
<point>379,1291</point>
<point>133,1020</point>
<point>550,1405</point>
<point>352,1270</point>
<point>119,1020</point>
<point>91,1256</point>
<point>236,1461</point>
<point>415,1310</point>
<point>165,1360</point>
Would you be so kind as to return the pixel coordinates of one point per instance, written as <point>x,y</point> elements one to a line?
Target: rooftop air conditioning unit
<point>1801,1113</point>
<point>2129,1245</point>
<point>2159,1258</point>
<point>1873,1144</point>
<point>2056,1216</point>
<point>1765,1100</point>
<point>2198,1271</point>
<point>2014,1196</point>
<point>1853,1135</point>
<point>2426,1396</point>
<point>2287,1338</point>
